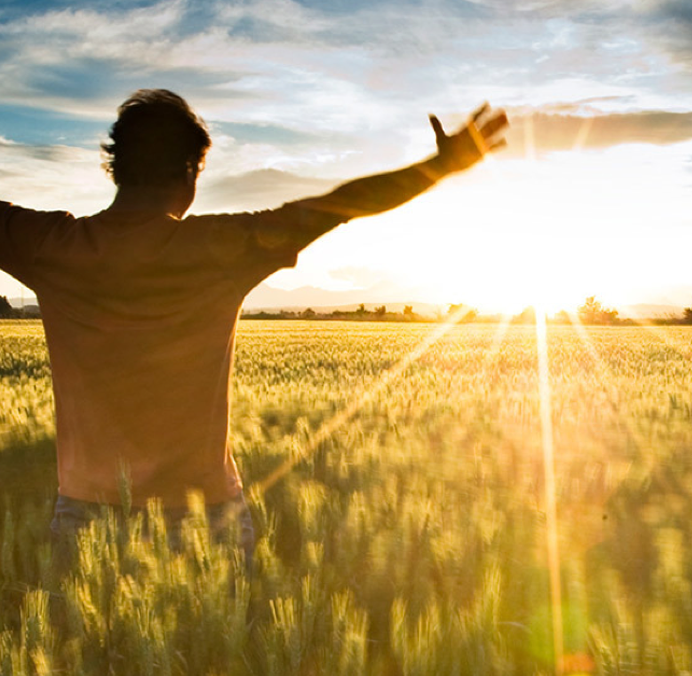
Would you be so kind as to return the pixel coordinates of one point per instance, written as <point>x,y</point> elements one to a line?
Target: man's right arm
<point>254,246</point>
<point>311,218</point>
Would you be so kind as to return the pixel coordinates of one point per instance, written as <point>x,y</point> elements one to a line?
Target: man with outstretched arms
<point>140,303</point>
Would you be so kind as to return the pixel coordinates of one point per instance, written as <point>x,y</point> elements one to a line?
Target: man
<point>140,304</point>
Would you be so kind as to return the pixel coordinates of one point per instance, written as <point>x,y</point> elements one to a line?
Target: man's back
<point>140,313</point>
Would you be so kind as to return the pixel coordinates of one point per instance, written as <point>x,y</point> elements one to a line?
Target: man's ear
<point>191,173</point>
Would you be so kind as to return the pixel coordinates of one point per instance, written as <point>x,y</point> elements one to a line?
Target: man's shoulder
<point>23,233</point>
<point>15,210</point>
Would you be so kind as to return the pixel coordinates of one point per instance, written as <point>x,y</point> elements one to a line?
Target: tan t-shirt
<point>140,315</point>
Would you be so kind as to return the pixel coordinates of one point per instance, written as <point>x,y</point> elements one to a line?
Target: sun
<point>499,257</point>
<point>523,233</point>
<point>515,232</point>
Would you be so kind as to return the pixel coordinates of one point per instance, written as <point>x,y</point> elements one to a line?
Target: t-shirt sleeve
<point>22,232</point>
<point>252,246</point>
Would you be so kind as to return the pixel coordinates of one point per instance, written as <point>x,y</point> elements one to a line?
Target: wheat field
<point>428,499</point>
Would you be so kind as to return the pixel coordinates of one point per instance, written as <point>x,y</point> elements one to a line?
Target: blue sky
<point>593,195</point>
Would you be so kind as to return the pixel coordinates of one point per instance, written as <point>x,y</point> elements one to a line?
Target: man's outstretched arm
<point>374,194</point>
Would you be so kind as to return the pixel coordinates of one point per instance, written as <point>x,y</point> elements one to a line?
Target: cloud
<point>13,151</point>
<point>53,177</point>
<point>546,132</point>
<point>360,277</point>
<point>374,66</point>
<point>671,23</point>
<point>44,127</point>
<point>256,190</point>
<point>265,133</point>
<point>57,52</point>
<point>334,88</point>
<point>266,62</point>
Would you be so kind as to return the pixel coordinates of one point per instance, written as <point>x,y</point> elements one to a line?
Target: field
<point>477,502</point>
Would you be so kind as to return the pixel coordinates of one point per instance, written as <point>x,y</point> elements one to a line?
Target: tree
<point>526,316</point>
<point>593,312</point>
<point>6,309</point>
<point>687,316</point>
<point>461,312</point>
<point>381,310</point>
<point>562,317</point>
<point>408,311</point>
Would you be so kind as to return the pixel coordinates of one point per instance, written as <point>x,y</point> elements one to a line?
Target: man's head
<point>157,140</point>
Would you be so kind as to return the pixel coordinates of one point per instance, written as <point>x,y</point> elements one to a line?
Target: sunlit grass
<point>552,541</point>
<point>414,538</point>
<point>384,379</point>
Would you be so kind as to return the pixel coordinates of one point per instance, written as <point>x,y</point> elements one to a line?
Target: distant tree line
<point>7,311</point>
<point>591,312</point>
<point>379,313</point>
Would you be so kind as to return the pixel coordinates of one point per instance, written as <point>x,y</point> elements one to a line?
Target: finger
<point>477,138</point>
<point>494,125</point>
<point>479,112</point>
<point>440,135</point>
<point>498,145</point>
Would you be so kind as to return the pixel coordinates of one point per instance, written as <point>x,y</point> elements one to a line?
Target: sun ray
<point>333,424</point>
<point>529,139</point>
<point>491,355</point>
<point>500,334</point>
<point>665,335</point>
<point>605,373</point>
<point>604,370</point>
<point>550,486</point>
<point>659,332</point>
<point>583,133</point>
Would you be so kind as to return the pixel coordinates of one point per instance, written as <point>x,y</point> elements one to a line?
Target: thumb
<point>440,135</point>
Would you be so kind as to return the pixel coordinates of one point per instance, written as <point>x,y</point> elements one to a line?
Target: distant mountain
<point>650,311</point>
<point>269,299</point>
<point>260,189</point>
<point>23,302</point>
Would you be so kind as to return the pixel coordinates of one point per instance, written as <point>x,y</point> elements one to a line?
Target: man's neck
<point>167,200</point>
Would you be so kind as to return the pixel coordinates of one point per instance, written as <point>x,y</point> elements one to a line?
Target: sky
<point>593,195</point>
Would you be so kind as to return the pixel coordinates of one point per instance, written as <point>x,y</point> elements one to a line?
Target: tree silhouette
<point>462,312</point>
<point>526,316</point>
<point>593,312</point>
<point>6,309</point>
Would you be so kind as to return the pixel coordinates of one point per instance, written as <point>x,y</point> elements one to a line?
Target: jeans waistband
<point>72,508</point>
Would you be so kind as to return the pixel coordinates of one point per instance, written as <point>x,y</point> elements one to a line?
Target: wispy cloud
<point>53,177</point>
<point>232,56</point>
<point>300,94</point>
<point>551,132</point>
<point>261,189</point>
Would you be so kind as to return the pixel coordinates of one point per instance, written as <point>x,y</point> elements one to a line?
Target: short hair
<point>156,139</point>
